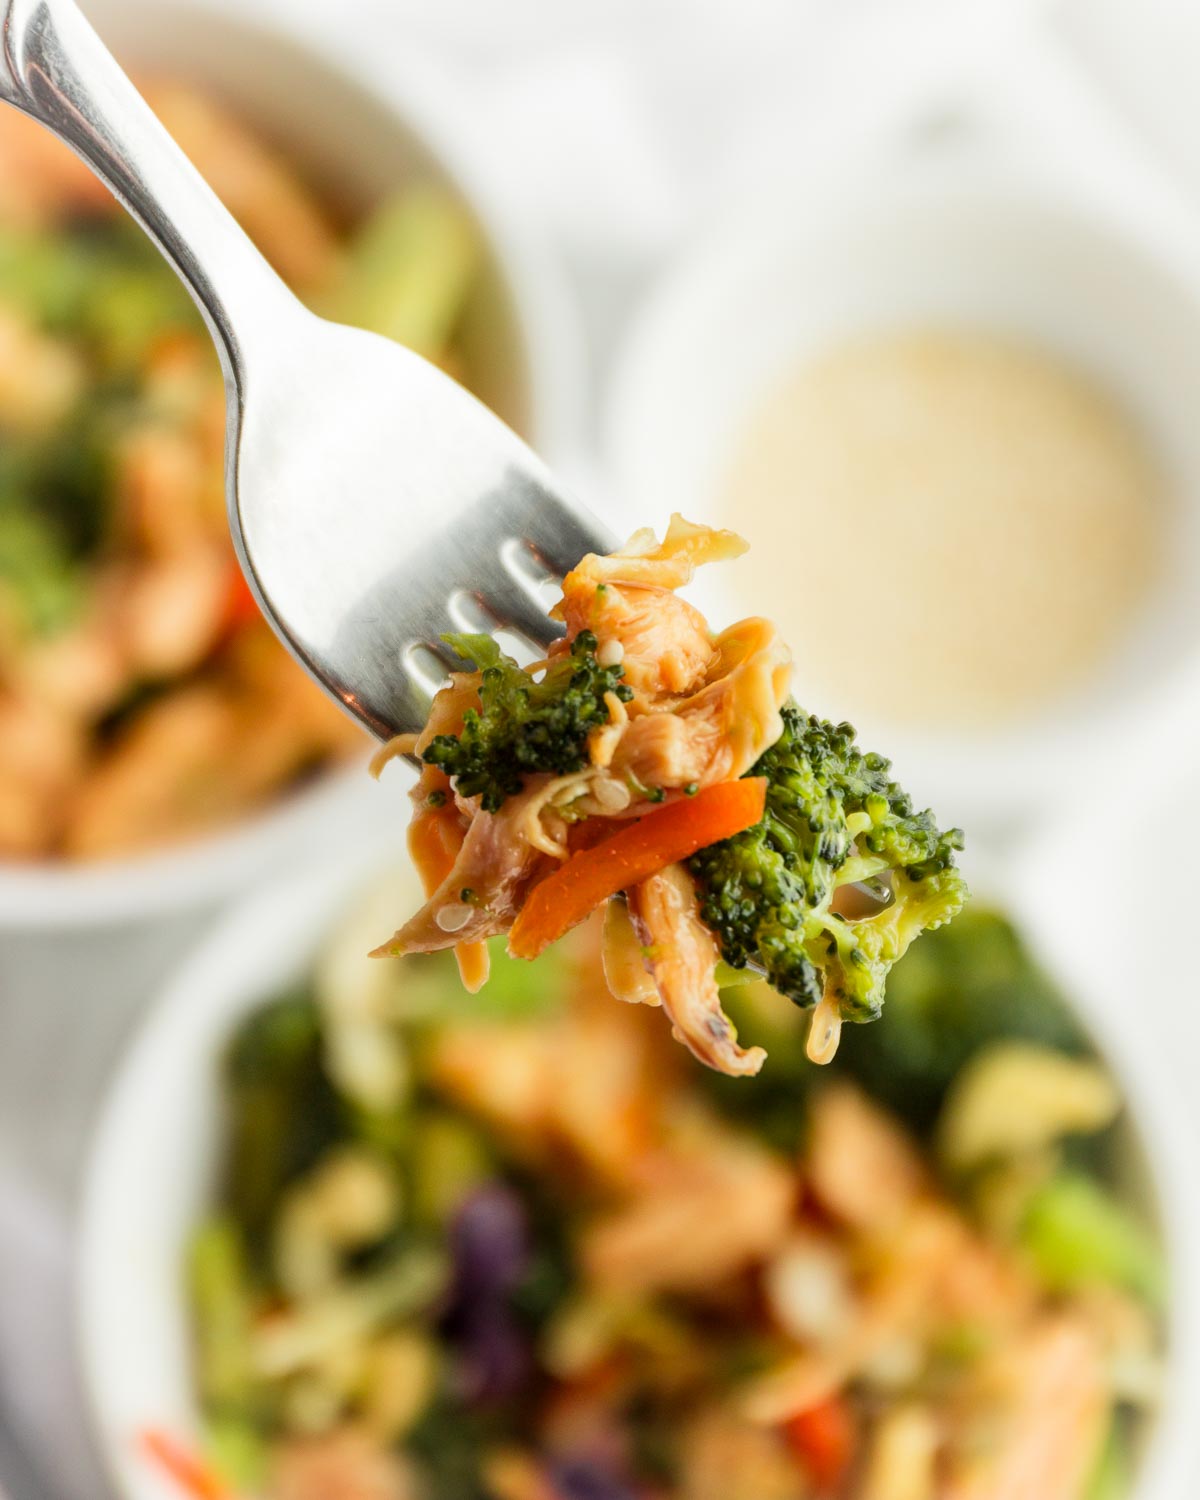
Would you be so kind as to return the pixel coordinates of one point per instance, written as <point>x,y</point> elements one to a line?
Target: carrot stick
<point>824,1439</point>
<point>639,850</point>
<point>241,607</point>
<point>190,1473</point>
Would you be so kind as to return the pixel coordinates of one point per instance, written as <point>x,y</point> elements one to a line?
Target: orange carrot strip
<point>190,1473</point>
<point>241,607</point>
<point>639,850</point>
<point>824,1440</point>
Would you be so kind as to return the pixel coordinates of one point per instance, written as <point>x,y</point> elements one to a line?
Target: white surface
<point>711,97</point>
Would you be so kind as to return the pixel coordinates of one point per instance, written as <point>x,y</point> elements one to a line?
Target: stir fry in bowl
<point>142,698</point>
<point>518,1246</point>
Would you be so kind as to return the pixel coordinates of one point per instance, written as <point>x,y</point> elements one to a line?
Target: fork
<point>374,503</point>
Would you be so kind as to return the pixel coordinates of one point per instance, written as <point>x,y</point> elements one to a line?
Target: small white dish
<point>965,241</point>
<point>358,137</point>
<point>153,1161</point>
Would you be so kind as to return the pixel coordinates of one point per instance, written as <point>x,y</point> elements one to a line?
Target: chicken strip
<point>721,730</point>
<point>483,892</point>
<point>682,958</point>
<point>628,602</point>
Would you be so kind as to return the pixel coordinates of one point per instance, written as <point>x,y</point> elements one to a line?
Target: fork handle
<point>57,70</point>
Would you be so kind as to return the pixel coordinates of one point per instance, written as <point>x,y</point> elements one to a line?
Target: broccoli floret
<point>525,724</point>
<point>832,818</point>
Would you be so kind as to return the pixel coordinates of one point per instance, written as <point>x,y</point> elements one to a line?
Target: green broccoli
<point>833,818</point>
<point>524,724</point>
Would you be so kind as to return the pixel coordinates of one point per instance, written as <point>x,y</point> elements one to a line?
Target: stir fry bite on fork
<point>655,765</point>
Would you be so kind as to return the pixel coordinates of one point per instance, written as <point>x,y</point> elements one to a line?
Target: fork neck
<point>56,69</point>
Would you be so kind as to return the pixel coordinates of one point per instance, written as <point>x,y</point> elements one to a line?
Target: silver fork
<point>373,502</point>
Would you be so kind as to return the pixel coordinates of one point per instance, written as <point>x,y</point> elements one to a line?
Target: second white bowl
<point>973,248</point>
<point>151,1172</point>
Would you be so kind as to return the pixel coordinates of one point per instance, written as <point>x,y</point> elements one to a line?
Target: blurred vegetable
<point>283,1111</point>
<point>37,577</point>
<point>135,302</point>
<point>223,1298</point>
<point>410,1283</point>
<point>451,1163</point>
<point>960,988</point>
<point>449,1443</point>
<point>410,270</point>
<point>1077,1233</point>
<point>1112,1478</point>
<point>107,288</point>
<point>489,1246</point>
<point>400,1380</point>
<point>426,989</point>
<point>824,1439</point>
<point>50,276</point>
<point>903,1460</point>
<point>347,1204</point>
<point>489,1243</point>
<point>236,1451</point>
<point>1015,1097</point>
<point>189,1472</point>
<point>583,1479</point>
<point>493,1353</point>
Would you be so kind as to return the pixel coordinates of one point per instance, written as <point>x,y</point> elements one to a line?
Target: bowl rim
<point>425,104</point>
<point>654,352</point>
<point>277,934</point>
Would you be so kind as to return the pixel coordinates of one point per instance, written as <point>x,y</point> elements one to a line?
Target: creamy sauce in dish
<point>988,517</point>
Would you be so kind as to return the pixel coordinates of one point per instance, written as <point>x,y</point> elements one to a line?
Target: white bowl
<point>360,137</point>
<point>968,244</point>
<point>153,1165</point>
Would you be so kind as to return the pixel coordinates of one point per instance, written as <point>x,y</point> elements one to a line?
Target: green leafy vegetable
<point>39,581</point>
<point>427,988</point>
<point>1112,1478</point>
<point>284,1112</point>
<point>833,818</point>
<point>524,724</point>
<point>1077,1233</point>
<point>237,1452</point>
<point>955,992</point>
<point>221,1294</point>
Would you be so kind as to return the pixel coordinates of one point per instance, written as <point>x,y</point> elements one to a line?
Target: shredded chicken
<point>628,597</point>
<point>682,956</point>
<point>699,1213</point>
<point>342,1465</point>
<point>483,890</point>
<point>703,709</point>
<point>1051,1390</point>
<point>512,1076</point>
<point>860,1168</point>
